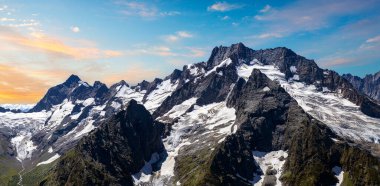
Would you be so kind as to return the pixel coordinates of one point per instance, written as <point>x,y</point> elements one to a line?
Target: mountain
<point>369,85</point>
<point>111,153</point>
<point>242,117</point>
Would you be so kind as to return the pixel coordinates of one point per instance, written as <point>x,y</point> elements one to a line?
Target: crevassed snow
<point>180,109</point>
<point>341,115</point>
<point>22,107</point>
<point>338,172</point>
<point>158,95</point>
<point>53,158</point>
<point>24,145</point>
<point>225,62</point>
<point>266,160</point>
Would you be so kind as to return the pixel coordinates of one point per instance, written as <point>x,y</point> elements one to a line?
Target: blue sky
<point>44,41</point>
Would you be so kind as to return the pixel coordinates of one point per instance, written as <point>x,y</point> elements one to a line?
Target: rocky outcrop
<point>369,85</point>
<point>114,151</point>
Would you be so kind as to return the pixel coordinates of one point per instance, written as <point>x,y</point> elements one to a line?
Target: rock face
<point>110,154</point>
<point>369,85</point>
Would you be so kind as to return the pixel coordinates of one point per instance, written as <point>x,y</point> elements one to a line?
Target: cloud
<point>374,39</point>
<point>144,10</point>
<point>223,7</point>
<point>75,29</point>
<point>52,46</point>
<point>165,51</point>
<point>268,35</point>
<point>225,18</point>
<point>4,19</point>
<point>19,85</point>
<point>307,15</point>
<point>265,9</point>
<point>177,36</point>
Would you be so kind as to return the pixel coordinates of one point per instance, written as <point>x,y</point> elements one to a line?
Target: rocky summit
<point>243,117</point>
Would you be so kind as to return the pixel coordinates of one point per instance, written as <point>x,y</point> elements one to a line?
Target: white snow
<point>180,109</point>
<point>244,71</point>
<point>157,96</point>
<point>60,112</point>
<point>83,83</point>
<point>22,107</point>
<point>338,172</point>
<point>125,93</point>
<point>293,69</point>
<point>296,77</point>
<point>24,145</point>
<point>146,172</point>
<point>266,159</point>
<point>50,150</point>
<point>266,89</point>
<point>86,129</point>
<point>224,63</point>
<point>195,71</point>
<point>53,158</point>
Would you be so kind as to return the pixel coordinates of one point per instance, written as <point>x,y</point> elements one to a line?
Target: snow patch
<point>53,158</point>
<point>338,172</point>
<point>266,89</point>
<point>224,63</point>
<point>266,160</point>
<point>144,175</point>
<point>157,96</point>
<point>293,69</point>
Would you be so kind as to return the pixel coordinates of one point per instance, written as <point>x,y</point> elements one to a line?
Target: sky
<point>42,42</point>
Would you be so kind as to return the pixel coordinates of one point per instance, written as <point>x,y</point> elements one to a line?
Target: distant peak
<point>238,45</point>
<point>122,82</point>
<point>72,79</point>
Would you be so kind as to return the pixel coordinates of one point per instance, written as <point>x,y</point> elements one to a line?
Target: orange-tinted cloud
<point>26,86</point>
<point>54,46</point>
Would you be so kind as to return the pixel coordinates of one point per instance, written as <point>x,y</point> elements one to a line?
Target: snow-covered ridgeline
<point>341,115</point>
<point>22,107</point>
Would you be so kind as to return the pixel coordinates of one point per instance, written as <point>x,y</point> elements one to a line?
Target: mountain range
<point>243,117</point>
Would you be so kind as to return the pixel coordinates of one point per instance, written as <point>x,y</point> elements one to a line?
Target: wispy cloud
<point>177,36</point>
<point>265,9</point>
<point>307,15</point>
<point>144,10</point>
<point>374,39</point>
<point>225,18</point>
<point>75,29</point>
<point>223,7</point>
<point>165,51</point>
